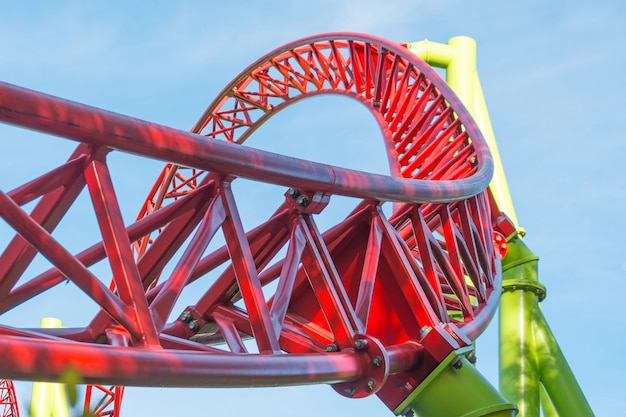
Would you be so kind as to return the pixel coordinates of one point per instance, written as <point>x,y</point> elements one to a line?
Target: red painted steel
<point>8,400</point>
<point>108,404</point>
<point>371,305</point>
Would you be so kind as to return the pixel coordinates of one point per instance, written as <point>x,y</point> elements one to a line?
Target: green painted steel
<point>529,353</point>
<point>456,389</point>
<point>546,404</point>
<point>556,375</point>
<point>519,367</point>
<point>49,399</point>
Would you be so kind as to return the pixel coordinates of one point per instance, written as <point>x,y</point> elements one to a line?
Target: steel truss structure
<point>8,400</point>
<point>373,305</point>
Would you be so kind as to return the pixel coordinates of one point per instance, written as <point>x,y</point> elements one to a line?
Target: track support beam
<point>530,357</point>
<point>454,375</point>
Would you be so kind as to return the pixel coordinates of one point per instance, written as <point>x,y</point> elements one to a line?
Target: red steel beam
<point>97,127</point>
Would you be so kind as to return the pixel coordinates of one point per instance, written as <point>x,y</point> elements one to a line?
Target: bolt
<point>424,331</point>
<point>473,160</point>
<point>332,348</point>
<point>349,391</point>
<point>194,325</point>
<point>186,317</point>
<point>377,361</point>
<point>457,363</point>
<point>303,200</point>
<point>371,384</point>
<point>471,357</point>
<point>360,344</point>
<point>292,192</point>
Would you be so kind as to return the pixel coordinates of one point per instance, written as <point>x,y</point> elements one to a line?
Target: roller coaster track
<point>371,306</point>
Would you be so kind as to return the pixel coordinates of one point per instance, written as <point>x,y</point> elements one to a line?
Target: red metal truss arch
<point>371,305</point>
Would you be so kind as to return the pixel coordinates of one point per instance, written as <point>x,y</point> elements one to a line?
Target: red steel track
<point>371,305</point>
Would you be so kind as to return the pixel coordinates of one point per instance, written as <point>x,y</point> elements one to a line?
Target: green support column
<point>48,399</point>
<point>533,369</point>
<point>519,367</point>
<point>546,404</point>
<point>556,375</point>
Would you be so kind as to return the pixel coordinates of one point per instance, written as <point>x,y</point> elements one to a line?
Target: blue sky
<point>553,81</point>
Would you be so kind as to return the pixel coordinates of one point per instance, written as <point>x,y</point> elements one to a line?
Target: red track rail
<point>371,305</point>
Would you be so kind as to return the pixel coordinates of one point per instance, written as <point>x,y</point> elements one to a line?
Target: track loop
<point>268,302</point>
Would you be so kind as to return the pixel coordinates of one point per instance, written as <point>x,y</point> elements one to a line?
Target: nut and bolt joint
<point>332,348</point>
<point>194,325</point>
<point>360,344</point>
<point>186,317</point>
<point>302,200</point>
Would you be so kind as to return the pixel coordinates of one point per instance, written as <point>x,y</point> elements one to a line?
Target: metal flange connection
<point>375,362</point>
<point>538,288</point>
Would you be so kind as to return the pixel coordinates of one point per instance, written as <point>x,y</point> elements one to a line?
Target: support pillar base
<point>456,389</point>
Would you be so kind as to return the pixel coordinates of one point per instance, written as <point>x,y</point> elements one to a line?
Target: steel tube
<point>75,121</point>
<point>557,377</point>
<point>519,369</point>
<point>154,368</point>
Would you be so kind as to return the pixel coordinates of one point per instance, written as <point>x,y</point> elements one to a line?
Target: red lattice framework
<point>101,401</point>
<point>371,305</point>
<point>8,401</point>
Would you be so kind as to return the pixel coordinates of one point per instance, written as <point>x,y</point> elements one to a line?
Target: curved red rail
<point>371,305</point>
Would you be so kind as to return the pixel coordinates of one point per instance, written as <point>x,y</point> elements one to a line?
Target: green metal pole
<point>519,366</point>
<point>546,404</point>
<point>434,53</point>
<point>556,375</point>
<point>461,71</point>
<point>499,186</point>
<point>49,398</point>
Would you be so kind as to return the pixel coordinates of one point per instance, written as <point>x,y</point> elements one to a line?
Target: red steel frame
<point>371,305</point>
<point>8,401</point>
<point>103,401</point>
